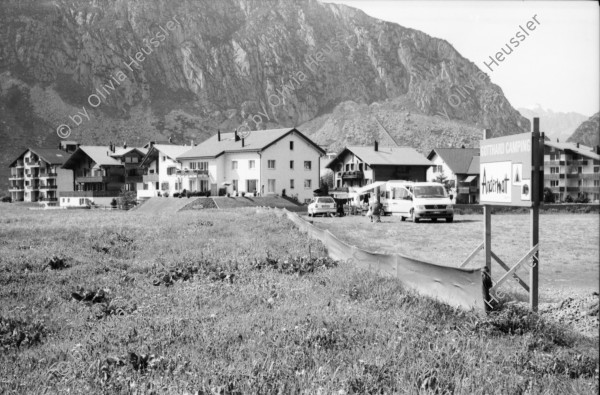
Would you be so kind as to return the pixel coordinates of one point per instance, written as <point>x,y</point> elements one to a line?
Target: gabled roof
<point>457,159</point>
<point>51,156</point>
<point>390,156</point>
<point>172,151</point>
<point>582,150</point>
<point>255,141</point>
<point>99,154</point>
<point>474,166</point>
<point>123,151</point>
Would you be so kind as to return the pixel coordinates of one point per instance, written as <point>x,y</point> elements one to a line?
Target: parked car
<point>417,200</point>
<point>324,205</point>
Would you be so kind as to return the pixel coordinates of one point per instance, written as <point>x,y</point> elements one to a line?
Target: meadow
<point>231,302</point>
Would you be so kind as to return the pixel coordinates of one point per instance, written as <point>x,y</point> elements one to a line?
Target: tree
<point>443,179</point>
<point>127,199</point>
<point>548,196</point>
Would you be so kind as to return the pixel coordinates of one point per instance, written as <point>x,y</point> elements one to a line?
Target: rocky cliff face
<point>131,70</point>
<point>588,133</point>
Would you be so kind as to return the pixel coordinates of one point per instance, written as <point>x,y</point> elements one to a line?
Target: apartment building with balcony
<point>460,167</point>
<point>265,162</point>
<point>163,173</point>
<point>99,174</point>
<point>36,175</point>
<point>572,170</point>
<point>357,166</point>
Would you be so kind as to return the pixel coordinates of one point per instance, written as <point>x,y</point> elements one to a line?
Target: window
<point>596,169</point>
<point>579,170</point>
<point>81,201</point>
<point>192,165</point>
<point>171,170</point>
<point>164,158</point>
<point>307,165</point>
<point>351,166</point>
<point>271,165</point>
<point>291,184</point>
<point>234,165</point>
<point>292,165</point>
<point>235,185</point>
<point>597,183</point>
<point>271,185</point>
<point>579,183</point>
<point>291,145</point>
<point>251,164</point>
<point>366,167</point>
<point>347,167</point>
<point>360,167</point>
<point>146,186</point>
<point>553,183</point>
<point>307,184</point>
<point>554,170</point>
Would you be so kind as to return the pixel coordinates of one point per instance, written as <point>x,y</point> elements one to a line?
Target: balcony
<point>574,189</point>
<point>34,187</point>
<point>98,179</point>
<point>33,163</point>
<point>150,178</point>
<point>15,188</point>
<point>19,163</point>
<point>192,172</point>
<point>48,187</point>
<point>590,176</point>
<point>352,175</point>
<point>16,177</point>
<point>46,175</point>
<point>134,179</point>
<point>577,162</point>
<point>83,194</point>
<point>574,175</point>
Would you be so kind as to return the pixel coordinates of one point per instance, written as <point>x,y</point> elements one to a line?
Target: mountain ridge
<point>218,68</point>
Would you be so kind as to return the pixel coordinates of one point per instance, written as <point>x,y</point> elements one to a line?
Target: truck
<point>417,201</point>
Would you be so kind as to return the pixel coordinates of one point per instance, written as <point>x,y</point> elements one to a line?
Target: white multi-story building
<point>36,175</point>
<point>163,172</point>
<point>265,162</point>
<point>572,171</point>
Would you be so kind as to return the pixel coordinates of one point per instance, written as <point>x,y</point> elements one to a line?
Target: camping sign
<point>506,170</point>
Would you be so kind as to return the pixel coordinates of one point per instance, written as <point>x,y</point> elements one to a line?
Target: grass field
<point>219,302</point>
<point>569,252</point>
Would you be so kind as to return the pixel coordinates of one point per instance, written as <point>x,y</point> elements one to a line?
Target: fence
<point>458,287</point>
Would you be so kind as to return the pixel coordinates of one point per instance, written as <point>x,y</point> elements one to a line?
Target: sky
<point>556,67</point>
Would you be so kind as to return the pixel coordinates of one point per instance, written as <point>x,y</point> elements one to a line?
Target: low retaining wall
<point>576,208</point>
<point>458,287</point>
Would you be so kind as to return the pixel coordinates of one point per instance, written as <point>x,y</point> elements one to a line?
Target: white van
<point>417,200</point>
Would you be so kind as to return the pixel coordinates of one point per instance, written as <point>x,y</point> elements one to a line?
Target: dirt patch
<point>200,204</point>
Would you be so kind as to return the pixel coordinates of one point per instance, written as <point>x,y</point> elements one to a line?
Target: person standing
<point>375,210</point>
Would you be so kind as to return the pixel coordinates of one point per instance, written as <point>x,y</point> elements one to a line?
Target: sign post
<point>511,174</point>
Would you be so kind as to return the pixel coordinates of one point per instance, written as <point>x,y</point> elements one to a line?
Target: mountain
<point>556,125</point>
<point>126,71</point>
<point>588,133</point>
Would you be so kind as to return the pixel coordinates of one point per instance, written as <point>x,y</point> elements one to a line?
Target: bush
<point>166,194</point>
<point>569,199</point>
<point>228,194</point>
<point>113,203</point>
<point>6,199</point>
<point>243,194</point>
<point>582,199</point>
<point>176,194</point>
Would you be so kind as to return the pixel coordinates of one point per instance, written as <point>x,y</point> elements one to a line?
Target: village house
<point>100,173</point>
<point>36,175</point>
<point>163,172</point>
<point>459,167</point>
<point>264,162</point>
<point>572,171</point>
<point>357,166</point>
